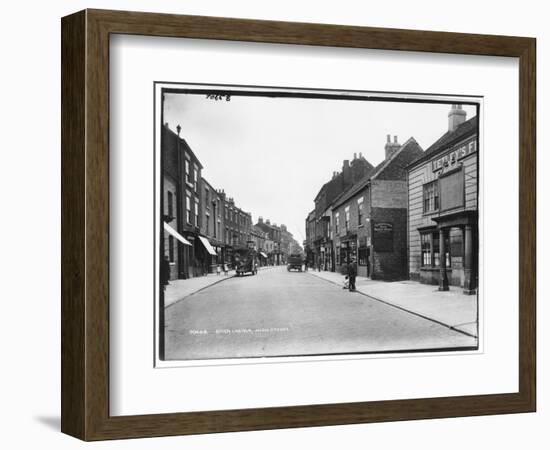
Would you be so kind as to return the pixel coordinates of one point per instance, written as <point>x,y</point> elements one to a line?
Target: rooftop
<point>450,138</point>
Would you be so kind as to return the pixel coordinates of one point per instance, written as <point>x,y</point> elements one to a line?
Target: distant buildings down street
<point>203,227</point>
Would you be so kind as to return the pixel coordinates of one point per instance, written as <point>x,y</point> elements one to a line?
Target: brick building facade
<point>182,183</point>
<point>321,251</point>
<point>369,220</point>
<point>212,225</point>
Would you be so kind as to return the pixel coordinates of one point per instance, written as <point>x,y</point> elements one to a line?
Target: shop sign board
<point>383,236</point>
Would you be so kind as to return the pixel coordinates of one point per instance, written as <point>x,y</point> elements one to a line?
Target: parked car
<point>295,262</point>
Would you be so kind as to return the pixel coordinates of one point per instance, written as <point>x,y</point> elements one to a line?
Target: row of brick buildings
<point>202,226</point>
<point>397,219</point>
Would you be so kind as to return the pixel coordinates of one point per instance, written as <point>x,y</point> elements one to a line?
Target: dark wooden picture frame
<point>85,224</point>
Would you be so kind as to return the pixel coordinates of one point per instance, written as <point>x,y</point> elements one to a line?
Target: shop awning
<point>174,233</point>
<point>207,246</point>
<point>263,254</point>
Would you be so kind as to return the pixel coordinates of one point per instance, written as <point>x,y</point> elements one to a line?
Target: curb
<point>431,319</point>
<point>210,285</point>
<point>201,289</point>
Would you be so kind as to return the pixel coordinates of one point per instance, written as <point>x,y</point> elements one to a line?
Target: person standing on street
<point>352,274</point>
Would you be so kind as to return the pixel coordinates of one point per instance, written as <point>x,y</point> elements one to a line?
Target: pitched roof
<point>372,174</point>
<point>449,138</point>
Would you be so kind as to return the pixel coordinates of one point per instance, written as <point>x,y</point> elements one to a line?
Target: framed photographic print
<point>270,224</point>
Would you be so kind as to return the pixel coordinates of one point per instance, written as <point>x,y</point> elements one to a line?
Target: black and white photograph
<point>300,222</point>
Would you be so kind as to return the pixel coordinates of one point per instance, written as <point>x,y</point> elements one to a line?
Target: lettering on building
<point>451,159</point>
<point>383,236</point>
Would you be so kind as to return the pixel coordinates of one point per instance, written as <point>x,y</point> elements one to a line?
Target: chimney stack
<point>391,147</point>
<point>456,116</point>
<point>178,129</point>
<point>346,173</point>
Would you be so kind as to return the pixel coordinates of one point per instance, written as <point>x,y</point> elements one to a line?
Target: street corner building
<point>443,208</point>
<point>361,214</point>
<point>370,218</point>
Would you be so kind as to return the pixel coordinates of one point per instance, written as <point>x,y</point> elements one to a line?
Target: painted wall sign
<point>450,159</point>
<point>383,236</point>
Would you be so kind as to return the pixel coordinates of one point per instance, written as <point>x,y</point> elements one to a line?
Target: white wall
<point>30,237</point>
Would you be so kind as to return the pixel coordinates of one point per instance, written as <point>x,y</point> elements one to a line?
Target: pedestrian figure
<point>164,272</point>
<point>352,274</point>
<point>218,269</point>
<point>225,269</point>
<point>346,283</point>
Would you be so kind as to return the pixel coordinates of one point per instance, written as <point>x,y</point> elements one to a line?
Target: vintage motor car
<point>295,262</point>
<point>246,261</point>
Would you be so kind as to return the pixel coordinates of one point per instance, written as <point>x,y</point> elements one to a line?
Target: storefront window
<point>171,249</point>
<point>363,256</point>
<point>426,248</point>
<point>430,250</point>
<point>436,249</point>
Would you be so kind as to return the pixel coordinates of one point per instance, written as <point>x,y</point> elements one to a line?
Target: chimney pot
<point>389,138</point>
<point>360,155</point>
<point>178,128</point>
<point>456,117</point>
<point>395,139</point>
<point>355,156</point>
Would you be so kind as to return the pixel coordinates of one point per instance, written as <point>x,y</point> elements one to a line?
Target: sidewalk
<point>452,308</point>
<point>178,289</point>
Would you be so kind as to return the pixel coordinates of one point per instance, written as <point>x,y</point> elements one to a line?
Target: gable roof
<point>448,139</point>
<point>372,174</point>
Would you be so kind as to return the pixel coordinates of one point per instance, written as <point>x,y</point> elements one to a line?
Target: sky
<point>272,155</point>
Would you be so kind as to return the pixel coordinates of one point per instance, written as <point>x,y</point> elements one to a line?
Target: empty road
<point>281,313</point>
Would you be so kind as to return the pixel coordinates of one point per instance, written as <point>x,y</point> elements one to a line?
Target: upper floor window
<point>347,217</point>
<point>195,178</point>
<point>431,196</point>
<point>360,211</point>
<point>196,213</point>
<point>337,223</point>
<point>187,172</point>
<point>188,208</point>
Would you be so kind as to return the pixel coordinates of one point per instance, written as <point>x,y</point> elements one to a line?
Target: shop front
<point>348,251</point>
<point>458,241</point>
<point>443,233</point>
